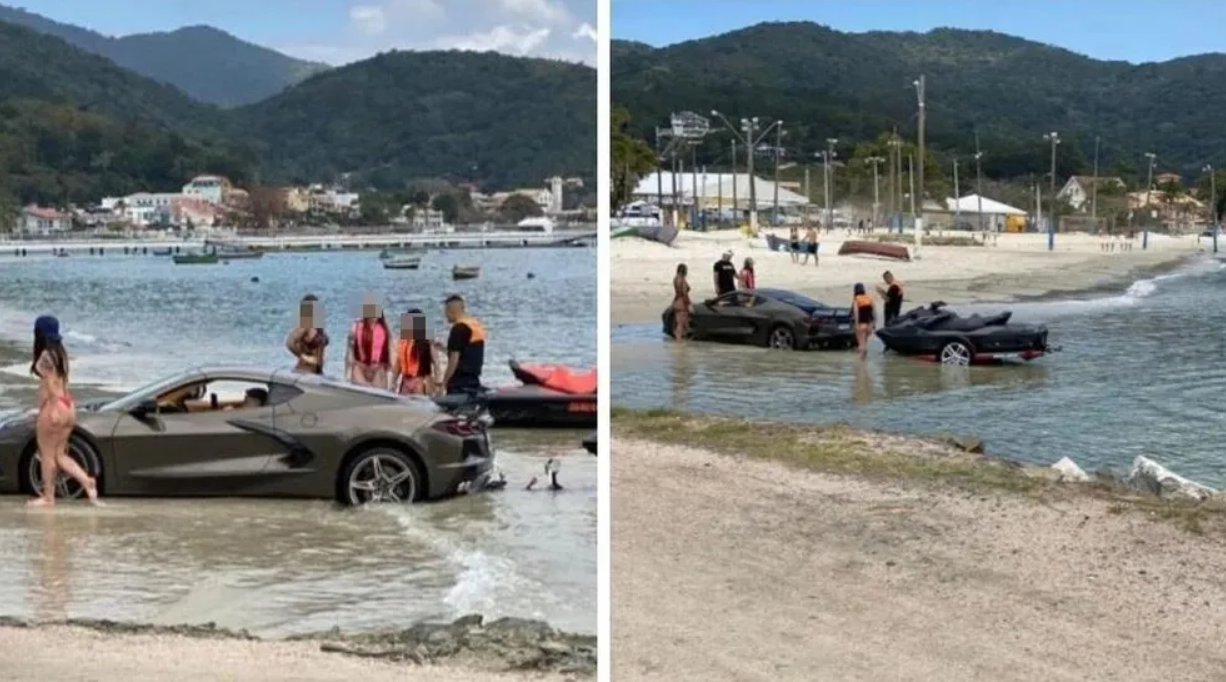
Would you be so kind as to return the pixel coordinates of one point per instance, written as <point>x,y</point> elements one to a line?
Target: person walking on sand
<point>810,245</point>
<point>368,359</point>
<point>725,275</point>
<point>747,278</point>
<point>416,367</point>
<point>681,303</point>
<point>864,317</point>
<point>794,243</point>
<point>307,341</point>
<point>57,414</point>
<point>891,293</point>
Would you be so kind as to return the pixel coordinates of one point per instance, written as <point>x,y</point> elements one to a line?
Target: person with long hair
<point>57,414</point>
<point>368,360</point>
<point>308,340</point>
<point>747,278</point>
<point>416,368</point>
<point>681,303</point>
<point>864,317</point>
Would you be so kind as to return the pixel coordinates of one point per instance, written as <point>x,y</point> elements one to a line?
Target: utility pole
<point>1054,138</point>
<point>1215,225</point>
<point>736,207</point>
<point>778,151</point>
<point>1149,186</point>
<point>694,186</point>
<point>895,145</point>
<point>979,181</point>
<point>911,179</point>
<point>659,178</point>
<point>750,134</point>
<point>957,197</point>
<point>1094,191</point>
<point>876,161</point>
<point>806,179</point>
<point>923,115</point>
<point>830,142</point>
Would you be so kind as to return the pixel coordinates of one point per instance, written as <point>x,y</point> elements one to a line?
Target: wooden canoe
<point>880,249</point>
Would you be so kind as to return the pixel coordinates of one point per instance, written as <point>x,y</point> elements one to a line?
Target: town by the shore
<point>750,550</point>
<point>1010,266</point>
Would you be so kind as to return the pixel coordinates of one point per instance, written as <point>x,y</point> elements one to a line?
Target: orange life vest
<point>863,301</point>
<point>409,366</point>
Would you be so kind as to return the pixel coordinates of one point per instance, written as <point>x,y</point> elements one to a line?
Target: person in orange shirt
<point>863,316</point>
<point>416,365</point>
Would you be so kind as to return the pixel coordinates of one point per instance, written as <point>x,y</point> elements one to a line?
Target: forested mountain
<point>75,126</point>
<point>204,62</point>
<point>825,83</point>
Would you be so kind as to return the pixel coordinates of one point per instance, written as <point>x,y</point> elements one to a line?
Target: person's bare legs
<point>681,325</point>
<point>47,444</point>
<point>68,465</point>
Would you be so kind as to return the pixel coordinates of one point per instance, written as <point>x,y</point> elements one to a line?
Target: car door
<point>194,453</point>
<point>718,317</point>
<point>751,320</point>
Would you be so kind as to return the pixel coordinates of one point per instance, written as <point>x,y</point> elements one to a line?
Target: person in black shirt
<point>465,349</point>
<point>725,275</point>
<point>891,293</point>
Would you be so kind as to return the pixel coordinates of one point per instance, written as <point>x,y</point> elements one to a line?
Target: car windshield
<point>792,298</point>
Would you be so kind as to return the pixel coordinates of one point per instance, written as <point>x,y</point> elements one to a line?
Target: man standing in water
<point>891,293</point>
<point>725,275</point>
<point>465,349</point>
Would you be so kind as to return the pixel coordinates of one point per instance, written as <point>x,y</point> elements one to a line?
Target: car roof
<point>786,296</point>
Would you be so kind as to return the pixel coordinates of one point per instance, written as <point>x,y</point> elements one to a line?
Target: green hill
<point>204,62</point>
<point>825,83</point>
<point>484,117</point>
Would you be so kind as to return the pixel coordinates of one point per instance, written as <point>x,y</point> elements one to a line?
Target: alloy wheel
<point>66,487</point>
<point>781,338</point>
<point>382,478</point>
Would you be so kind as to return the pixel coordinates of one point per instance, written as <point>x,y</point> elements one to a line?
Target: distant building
<point>43,221</point>
<point>1079,189</point>
<point>211,188</point>
<point>428,219</point>
<point>328,200</point>
<point>144,208</point>
<point>297,199</point>
<point>1168,179</point>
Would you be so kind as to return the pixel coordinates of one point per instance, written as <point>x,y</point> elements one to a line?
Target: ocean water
<point>280,567</point>
<point>1141,372</point>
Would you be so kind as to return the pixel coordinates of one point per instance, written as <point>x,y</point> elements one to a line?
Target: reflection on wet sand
<point>54,560</point>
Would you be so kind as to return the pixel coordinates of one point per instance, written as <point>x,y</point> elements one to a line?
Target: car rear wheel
<point>956,353</point>
<point>66,487</point>
<point>381,475</point>
<point>781,338</point>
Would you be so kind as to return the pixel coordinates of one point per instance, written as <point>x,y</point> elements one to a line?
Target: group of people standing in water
<point>418,366</point>
<point>409,363</point>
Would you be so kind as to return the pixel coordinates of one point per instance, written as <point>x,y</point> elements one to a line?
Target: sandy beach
<point>78,654</point>
<point>728,567</point>
<point>1017,265</point>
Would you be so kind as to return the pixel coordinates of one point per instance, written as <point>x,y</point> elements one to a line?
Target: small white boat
<point>402,263</point>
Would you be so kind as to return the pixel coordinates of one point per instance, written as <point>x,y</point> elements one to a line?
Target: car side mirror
<point>710,303</point>
<point>144,407</point>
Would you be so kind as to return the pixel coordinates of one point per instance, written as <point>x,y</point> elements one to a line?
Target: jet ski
<point>548,396</point>
<point>935,333</point>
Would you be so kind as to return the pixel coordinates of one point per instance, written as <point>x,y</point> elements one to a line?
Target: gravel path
<point>67,654</point>
<point>726,569</point>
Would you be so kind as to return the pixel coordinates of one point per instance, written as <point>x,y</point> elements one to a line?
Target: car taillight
<point>454,427</point>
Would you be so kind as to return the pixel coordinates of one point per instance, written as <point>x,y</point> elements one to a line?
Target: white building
<point>328,200</point>
<point>144,208</point>
<point>428,220</point>
<point>43,221</point>
<point>210,188</point>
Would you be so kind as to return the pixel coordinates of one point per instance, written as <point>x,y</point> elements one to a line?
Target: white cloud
<point>559,29</point>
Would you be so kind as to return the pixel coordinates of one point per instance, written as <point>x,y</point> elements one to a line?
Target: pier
<point>509,239</point>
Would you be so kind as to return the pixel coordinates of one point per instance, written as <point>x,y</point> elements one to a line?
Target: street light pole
<point>957,198</point>
<point>830,142</point>
<point>979,181</point>
<point>1149,185</point>
<point>1094,200</point>
<point>751,138</point>
<point>1054,138</point>
<point>778,151</point>
<point>876,161</point>
<point>923,115</point>
<point>1215,224</point>
<point>896,208</point>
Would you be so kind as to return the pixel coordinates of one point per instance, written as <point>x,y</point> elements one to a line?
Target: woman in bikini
<point>57,414</point>
<point>864,317</point>
<point>681,303</point>
<point>368,361</point>
<point>307,341</point>
<point>416,367</point>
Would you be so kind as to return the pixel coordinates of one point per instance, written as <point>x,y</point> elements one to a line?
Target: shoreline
<point>468,648</point>
<point>1015,271</point>
<point>757,550</point>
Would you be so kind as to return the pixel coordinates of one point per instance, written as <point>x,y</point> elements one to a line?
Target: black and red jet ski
<point>547,397</point>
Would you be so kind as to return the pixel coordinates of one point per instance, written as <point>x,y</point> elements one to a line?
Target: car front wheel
<point>781,338</point>
<point>66,487</point>
<point>381,475</point>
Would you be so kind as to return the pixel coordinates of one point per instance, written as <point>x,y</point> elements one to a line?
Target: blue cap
<point>47,327</point>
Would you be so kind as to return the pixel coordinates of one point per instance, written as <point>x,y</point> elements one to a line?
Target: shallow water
<point>1140,373</point>
<point>282,567</point>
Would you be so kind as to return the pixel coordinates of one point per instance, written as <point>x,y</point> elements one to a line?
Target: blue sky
<point>340,31</point>
<point>1132,30</point>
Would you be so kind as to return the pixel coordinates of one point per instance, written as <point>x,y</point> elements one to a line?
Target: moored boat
<point>196,259</point>
<point>880,249</point>
<point>402,262</point>
<point>465,272</point>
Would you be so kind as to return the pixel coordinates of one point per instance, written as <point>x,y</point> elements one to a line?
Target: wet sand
<point>730,568</point>
<point>72,654</point>
<point>1018,266</point>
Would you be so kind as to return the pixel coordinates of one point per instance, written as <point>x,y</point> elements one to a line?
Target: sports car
<point>258,433</point>
<point>939,334</point>
<point>775,318</point>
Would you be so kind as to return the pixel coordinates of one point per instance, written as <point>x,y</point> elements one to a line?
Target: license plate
<point>844,327</point>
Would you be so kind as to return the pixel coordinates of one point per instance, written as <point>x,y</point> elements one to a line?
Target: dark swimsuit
<point>864,310</point>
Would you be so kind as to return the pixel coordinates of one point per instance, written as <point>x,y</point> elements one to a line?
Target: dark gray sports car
<point>245,432</point>
<point>775,318</point>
